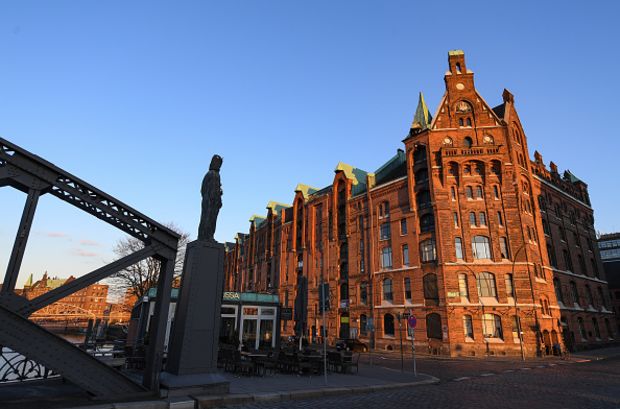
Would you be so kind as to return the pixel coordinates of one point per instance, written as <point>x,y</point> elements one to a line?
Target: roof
<point>356,175</point>
<point>257,220</point>
<point>392,169</point>
<point>305,189</point>
<point>500,110</point>
<point>422,118</point>
<point>276,207</point>
<point>571,178</point>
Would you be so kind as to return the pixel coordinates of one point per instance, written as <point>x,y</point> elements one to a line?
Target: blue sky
<point>135,97</point>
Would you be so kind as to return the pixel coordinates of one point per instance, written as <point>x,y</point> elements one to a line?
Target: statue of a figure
<point>211,200</point>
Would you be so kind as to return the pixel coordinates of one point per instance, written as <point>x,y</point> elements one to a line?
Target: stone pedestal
<point>192,354</point>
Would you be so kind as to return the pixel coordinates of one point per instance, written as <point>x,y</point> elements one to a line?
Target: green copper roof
<point>305,190</point>
<point>356,175</point>
<point>570,177</point>
<point>422,118</point>
<point>392,169</point>
<point>276,207</point>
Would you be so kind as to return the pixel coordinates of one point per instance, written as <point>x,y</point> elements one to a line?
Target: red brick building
<point>459,228</point>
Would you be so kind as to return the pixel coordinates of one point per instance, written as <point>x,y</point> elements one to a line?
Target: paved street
<point>489,384</point>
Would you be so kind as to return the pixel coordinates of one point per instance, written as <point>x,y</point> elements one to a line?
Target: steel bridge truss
<point>34,176</point>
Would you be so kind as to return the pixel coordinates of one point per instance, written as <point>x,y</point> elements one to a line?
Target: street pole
<point>400,331</point>
<point>324,332</point>
<point>415,368</point>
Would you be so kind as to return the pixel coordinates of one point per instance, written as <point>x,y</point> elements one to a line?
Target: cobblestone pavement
<point>498,384</point>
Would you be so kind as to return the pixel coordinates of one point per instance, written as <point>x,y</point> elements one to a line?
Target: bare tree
<point>141,276</point>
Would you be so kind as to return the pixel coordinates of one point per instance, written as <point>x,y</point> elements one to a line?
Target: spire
<point>422,118</point>
<point>28,282</point>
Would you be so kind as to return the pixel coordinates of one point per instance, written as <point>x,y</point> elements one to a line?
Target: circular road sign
<point>412,321</point>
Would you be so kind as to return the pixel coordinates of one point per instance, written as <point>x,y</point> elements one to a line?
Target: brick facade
<point>450,229</point>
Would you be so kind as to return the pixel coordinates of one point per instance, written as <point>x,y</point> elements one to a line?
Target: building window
<point>403,227</point>
<point>472,219</point>
<point>458,248</point>
<point>480,247</point>
<point>546,228</point>
<point>500,219</point>
<point>590,298</point>
<point>483,219</point>
<point>610,332</point>
<point>433,326</point>
<point>385,231</point>
<point>463,288</point>
<point>601,297</point>
<point>478,191</point>
<point>492,326</point>
<point>558,290</point>
<point>562,234</point>
<point>469,193</point>
<point>428,252</point>
<point>453,193</point>
<point>405,255</point>
<point>594,267</point>
<point>503,247</point>
<point>551,253</point>
<point>574,293</point>
<point>427,223</point>
<point>387,290</point>
<point>495,192</point>
<point>455,217</point>
<point>510,288</point>
<point>468,327</point>
<point>388,325</point>
<point>597,331</point>
<point>384,209</point>
<point>386,257</point>
<point>486,285</point>
<point>363,324</point>
<point>408,289</point>
<point>364,293</point>
<point>568,264</point>
<point>582,329</point>
<point>431,292</point>
<point>468,142</point>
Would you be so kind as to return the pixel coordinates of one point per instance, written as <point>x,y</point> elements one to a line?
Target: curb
<point>225,400</point>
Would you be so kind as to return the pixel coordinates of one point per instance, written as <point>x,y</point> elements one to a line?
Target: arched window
<point>558,290</point>
<point>427,223</point>
<point>486,285</point>
<point>468,142</point>
<point>433,326</point>
<point>387,290</point>
<point>427,250</point>
<point>574,293</point>
<point>388,325</point>
<point>582,329</point>
<point>597,331</point>
<point>419,155</point>
<point>472,219</point>
<point>481,249</point>
<point>468,122</point>
<point>363,324</point>
<point>483,219</point>
<point>469,192</point>
<point>431,292</point>
<point>492,326</point>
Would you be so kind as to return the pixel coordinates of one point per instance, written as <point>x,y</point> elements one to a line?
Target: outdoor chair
<point>349,362</point>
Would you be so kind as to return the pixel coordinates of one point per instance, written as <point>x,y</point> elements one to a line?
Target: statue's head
<point>216,162</point>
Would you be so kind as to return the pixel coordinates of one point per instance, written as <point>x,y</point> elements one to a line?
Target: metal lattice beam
<point>33,175</point>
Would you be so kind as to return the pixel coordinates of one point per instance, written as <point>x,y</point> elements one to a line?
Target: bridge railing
<point>15,367</point>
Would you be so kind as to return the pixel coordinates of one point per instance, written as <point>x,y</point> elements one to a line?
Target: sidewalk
<point>284,387</point>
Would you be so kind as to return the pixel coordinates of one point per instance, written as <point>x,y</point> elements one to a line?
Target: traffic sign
<point>412,321</point>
